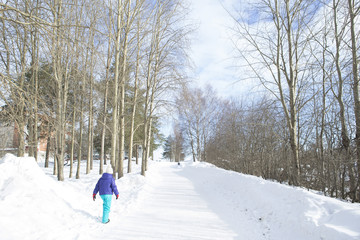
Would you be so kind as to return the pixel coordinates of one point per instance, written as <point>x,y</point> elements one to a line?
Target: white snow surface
<point>190,201</point>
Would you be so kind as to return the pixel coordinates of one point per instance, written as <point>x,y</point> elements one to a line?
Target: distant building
<point>9,138</point>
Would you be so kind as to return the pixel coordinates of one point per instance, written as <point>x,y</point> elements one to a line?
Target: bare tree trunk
<point>134,103</point>
<point>355,75</point>
<point>292,103</point>
<point>103,132</point>
<point>81,120</point>
<point>61,75</point>
<point>81,114</point>
<point>33,137</point>
<point>79,153</point>
<point>148,143</point>
<point>36,86</point>
<point>116,86</point>
<point>144,143</point>
<point>146,107</point>
<point>21,101</point>
<point>48,144</point>
<point>72,148</point>
<point>89,163</point>
<point>339,97</point>
<point>56,65</point>
<point>322,129</point>
<point>122,89</point>
<point>56,163</point>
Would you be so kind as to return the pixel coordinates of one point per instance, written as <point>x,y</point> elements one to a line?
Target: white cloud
<point>212,49</point>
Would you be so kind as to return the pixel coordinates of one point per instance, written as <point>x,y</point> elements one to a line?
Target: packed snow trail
<point>200,201</point>
<point>170,209</point>
<point>191,201</point>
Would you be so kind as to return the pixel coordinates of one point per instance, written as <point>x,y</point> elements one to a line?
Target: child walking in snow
<point>106,187</point>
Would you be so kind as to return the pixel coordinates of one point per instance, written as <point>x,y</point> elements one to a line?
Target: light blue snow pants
<point>106,207</point>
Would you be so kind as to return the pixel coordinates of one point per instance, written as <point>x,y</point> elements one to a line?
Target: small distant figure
<point>178,163</point>
<point>106,187</point>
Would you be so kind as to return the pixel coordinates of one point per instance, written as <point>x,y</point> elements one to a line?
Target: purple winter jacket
<point>106,185</point>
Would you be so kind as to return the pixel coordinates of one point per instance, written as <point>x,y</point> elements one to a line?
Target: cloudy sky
<point>212,49</point>
<point>213,53</point>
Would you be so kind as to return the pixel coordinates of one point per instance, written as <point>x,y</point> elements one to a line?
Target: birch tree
<point>139,36</point>
<point>92,48</point>
<point>35,47</point>
<point>128,19</point>
<point>354,13</point>
<point>107,80</point>
<point>117,46</point>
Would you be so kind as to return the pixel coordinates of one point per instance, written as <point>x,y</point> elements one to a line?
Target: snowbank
<point>34,205</point>
<point>276,210</point>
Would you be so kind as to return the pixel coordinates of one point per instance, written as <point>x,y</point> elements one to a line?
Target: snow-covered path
<point>170,209</point>
<point>191,201</point>
<point>200,201</point>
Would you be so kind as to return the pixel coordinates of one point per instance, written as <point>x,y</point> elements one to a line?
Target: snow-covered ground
<point>190,201</point>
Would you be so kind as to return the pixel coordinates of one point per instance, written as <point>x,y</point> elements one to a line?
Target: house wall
<point>42,144</point>
<point>7,139</point>
<point>6,136</point>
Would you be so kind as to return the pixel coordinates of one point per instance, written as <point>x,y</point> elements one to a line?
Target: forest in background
<point>301,124</point>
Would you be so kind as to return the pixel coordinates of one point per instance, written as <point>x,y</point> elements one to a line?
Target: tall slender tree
<point>354,12</point>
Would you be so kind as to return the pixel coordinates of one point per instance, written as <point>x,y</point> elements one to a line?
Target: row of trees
<point>174,148</point>
<point>85,71</point>
<point>305,129</point>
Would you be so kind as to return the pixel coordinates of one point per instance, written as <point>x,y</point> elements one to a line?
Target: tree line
<point>90,76</point>
<point>303,125</point>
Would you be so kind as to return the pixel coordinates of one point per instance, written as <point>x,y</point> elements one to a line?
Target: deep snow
<point>190,201</point>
